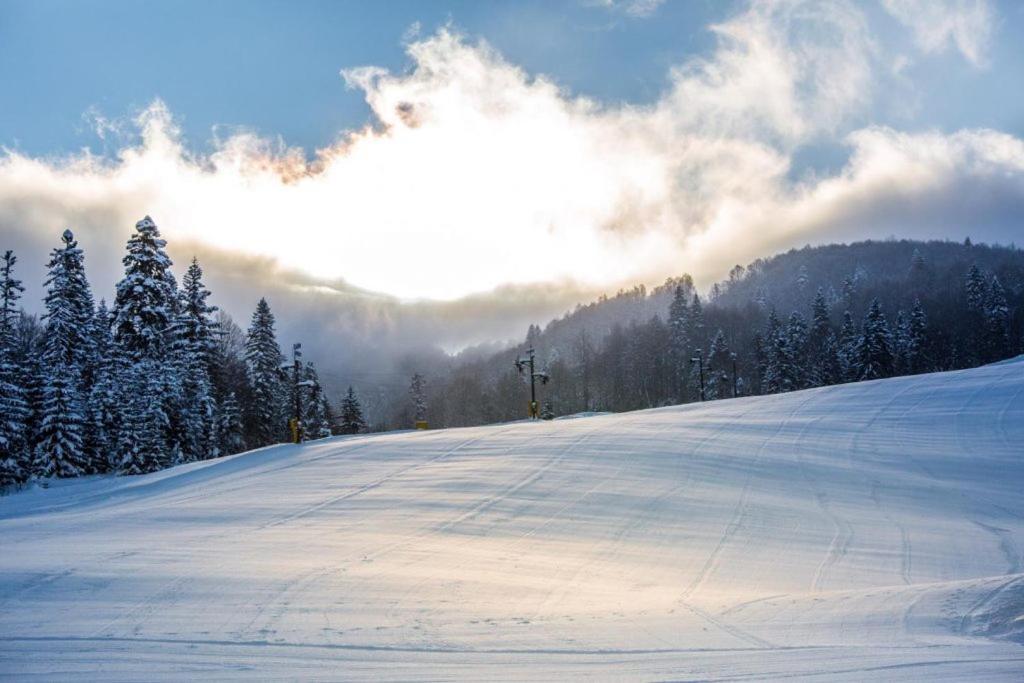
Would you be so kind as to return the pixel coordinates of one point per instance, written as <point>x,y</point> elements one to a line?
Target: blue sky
<point>274,66</point>
<point>400,147</point>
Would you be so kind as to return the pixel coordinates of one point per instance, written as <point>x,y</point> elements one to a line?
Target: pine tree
<point>352,421</point>
<point>194,419</point>
<point>418,395</point>
<point>230,437</point>
<point>997,322</point>
<point>146,301</point>
<point>14,408</point>
<point>820,346</point>
<point>144,445</point>
<point>847,349</point>
<point>145,323</point>
<point>67,347</point>
<point>679,341</point>
<point>265,412</point>
<point>105,411</point>
<point>917,360</point>
<point>796,352</point>
<point>875,357</point>
<point>901,344</point>
<point>316,419</point>
<point>547,410</point>
<point>977,291</point>
<point>719,367</point>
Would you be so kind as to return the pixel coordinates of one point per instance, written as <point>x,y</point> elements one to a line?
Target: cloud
<point>638,9</point>
<point>938,25</point>
<point>483,186</point>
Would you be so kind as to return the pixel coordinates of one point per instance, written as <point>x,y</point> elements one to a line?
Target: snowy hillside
<point>872,530</point>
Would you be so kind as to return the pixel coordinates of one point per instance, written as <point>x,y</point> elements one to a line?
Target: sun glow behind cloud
<point>476,175</point>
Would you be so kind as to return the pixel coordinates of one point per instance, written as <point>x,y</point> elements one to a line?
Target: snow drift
<point>866,530</point>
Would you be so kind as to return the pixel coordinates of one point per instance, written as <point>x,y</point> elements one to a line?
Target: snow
<point>872,530</point>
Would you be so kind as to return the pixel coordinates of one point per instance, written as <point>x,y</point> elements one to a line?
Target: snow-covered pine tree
<point>144,445</point>
<point>774,355</point>
<point>875,347</point>
<point>316,418</point>
<point>849,362</point>
<point>418,396</point>
<point>796,350</point>
<point>976,289</point>
<point>230,436</point>
<point>997,322</point>
<point>679,340</point>
<point>67,348</point>
<point>821,348</point>
<point>351,418</point>
<point>719,368</point>
<point>547,410</point>
<point>144,324</point>
<point>195,421</point>
<point>901,344</point>
<point>146,300</point>
<point>105,410</point>
<point>14,408</point>
<point>265,414</point>
<point>917,337</point>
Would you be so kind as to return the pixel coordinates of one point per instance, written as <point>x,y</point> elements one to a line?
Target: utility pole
<point>699,360</point>
<point>529,362</point>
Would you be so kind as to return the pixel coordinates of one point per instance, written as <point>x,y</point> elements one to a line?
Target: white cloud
<point>938,25</point>
<point>477,175</point>
<point>640,9</point>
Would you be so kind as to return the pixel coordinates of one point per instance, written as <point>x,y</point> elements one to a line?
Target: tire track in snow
<point>737,519</point>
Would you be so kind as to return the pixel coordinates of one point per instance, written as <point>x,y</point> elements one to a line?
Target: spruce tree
<point>146,301</point>
<point>316,419</point>
<point>796,352</point>
<point>847,352</point>
<point>976,289</point>
<point>820,344</point>
<point>679,340</point>
<point>997,322</point>
<point>230,436</point>
<point>105,411</point>
<point>145,320</point>
<point>194,420</point>
<point>67,347</point>
<point>266,412</point>
<point>418,395</point>
<point>917,359</point>
<point>352,421</point>
<point>875,356</point>
<point>14,407</point>
<point>144,438</point>
<point>719,368</point>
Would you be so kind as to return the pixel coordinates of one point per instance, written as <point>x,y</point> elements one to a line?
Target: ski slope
<point>872,530</point>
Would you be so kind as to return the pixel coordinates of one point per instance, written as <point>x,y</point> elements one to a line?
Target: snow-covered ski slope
<point>869,531</point>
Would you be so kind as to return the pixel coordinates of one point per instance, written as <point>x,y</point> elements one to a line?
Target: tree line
<point>856,312</point>
<point>159,378</point>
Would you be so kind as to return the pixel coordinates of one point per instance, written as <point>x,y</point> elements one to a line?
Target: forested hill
<point>798,319</point>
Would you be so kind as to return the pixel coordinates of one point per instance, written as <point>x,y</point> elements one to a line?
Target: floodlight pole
<point>529,361</point>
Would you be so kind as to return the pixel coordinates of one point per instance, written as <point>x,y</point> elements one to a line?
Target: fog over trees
<point>161,376</point>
